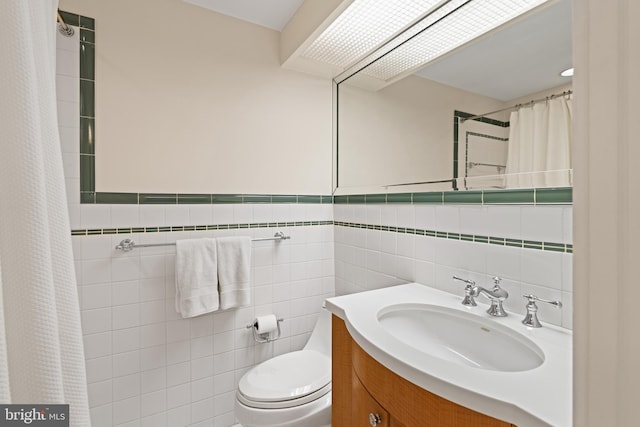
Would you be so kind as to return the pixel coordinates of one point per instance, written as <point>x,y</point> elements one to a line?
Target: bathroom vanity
<point>388,369</point>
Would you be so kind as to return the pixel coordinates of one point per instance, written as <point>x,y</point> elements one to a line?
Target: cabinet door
<point>366,412</point>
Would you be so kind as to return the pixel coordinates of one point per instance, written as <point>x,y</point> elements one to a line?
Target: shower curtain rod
<point>514,107</point>
<point>63,27</point>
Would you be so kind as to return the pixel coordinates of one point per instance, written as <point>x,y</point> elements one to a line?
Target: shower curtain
<point>539,153</point>
<point>41,351</point>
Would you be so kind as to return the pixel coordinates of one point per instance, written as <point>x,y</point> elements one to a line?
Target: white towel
<point>196,277</point>
<point>234,266</point>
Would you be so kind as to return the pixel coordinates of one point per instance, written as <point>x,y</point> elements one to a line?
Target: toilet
<point>293,389</point>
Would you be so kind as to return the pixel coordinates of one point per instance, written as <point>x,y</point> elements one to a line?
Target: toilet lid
<point>286,377</point>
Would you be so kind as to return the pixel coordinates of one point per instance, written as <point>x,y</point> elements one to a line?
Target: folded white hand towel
<point>196,277</point>
<point>234,266</point>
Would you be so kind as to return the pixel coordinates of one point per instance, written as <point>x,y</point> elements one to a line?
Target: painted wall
<point>191,101</point>
<point>402,133</point>
<point>146,366</point>
<point>607,207</point>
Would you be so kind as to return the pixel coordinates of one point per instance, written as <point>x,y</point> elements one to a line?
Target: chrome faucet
<point>531,319</point>
<point>497,295</point>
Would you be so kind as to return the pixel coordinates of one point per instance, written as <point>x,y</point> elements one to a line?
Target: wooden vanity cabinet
<point>363,388</point>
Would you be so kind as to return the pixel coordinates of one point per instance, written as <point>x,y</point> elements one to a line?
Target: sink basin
<point>460,337</point>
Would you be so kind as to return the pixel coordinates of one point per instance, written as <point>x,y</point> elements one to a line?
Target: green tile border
<point>490,240</point>
<point>174,228</point>
<point>529,196</point>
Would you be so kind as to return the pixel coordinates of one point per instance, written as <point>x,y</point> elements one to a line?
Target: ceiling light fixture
<point>369,26</point>
<point>363,27</point>
<point>567,73</point>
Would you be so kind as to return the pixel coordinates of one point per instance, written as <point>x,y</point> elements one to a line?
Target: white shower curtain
<point>41,352</point>
<point>539,153</point>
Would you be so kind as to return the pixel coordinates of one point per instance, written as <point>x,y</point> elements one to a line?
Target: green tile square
<point>87,61</point>
<point>95,232</point>
<point>463,197</point>
<point>109,231</point>
<point>398,198</point>
<point>164,229</point>
<point>151,229</point>
<point>117,198</point>
<point>86,22</point>
<point>327,199</point>
<point>78,232</point>
<point>256,198</point>
<point>87,135</point>
<point>226,198</point>
<point>87,172</point>
<point>137,230</point>
<point>531,244</point>
<point>87,197</point>
<point>196,199</point>
<point>466,237</point>
<point>513,243</point>
<point>481,239</point>
<point>441,234</point>
<point>357,199</point>
<point>341,200</point>
<point>562,195</point>
<point>554,247</point>
<point>310,199</point>
<point>453,236</point>
<point>70,18</point>
<point>87,36</point>
<point>428,198</point>
<point>177,228</point>
<point>87,98</point>
<point>497,241</point>
<point>525,196</point>
<point>158,198</point>
<point>284,199</point>
<point>375,198</point>
<point>125,230</point>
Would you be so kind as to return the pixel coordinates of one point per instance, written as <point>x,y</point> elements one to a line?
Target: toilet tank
<point>320,339</point>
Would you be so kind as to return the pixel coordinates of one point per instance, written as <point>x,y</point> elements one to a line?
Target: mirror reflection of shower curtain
<point>540,141</point>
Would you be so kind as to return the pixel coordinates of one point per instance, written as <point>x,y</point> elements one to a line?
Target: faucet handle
<point>497,280</point>
<point>469,292</point>
<point>531,318</point>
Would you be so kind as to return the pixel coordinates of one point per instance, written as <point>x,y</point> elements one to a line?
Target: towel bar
<point>127,245</point>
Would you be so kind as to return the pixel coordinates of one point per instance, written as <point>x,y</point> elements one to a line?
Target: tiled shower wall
<point>146,366</point>
<point>472,241</point>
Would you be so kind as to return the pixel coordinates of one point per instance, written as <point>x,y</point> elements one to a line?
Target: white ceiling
<point>272,14</point>
<point>523,58</point>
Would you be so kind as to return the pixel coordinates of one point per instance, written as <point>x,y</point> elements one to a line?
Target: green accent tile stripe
<point>399,198</point>
<point>157,198</point>
<point>492,240</point>
<point>179,228</point>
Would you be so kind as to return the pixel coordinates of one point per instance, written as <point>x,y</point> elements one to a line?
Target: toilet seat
<point>287,380</point>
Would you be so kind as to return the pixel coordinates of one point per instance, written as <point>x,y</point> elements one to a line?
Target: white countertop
<point>538,397</point>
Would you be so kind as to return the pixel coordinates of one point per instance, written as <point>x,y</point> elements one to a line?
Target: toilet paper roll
<point>266,324</point>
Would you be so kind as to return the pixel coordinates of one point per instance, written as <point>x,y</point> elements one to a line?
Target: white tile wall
<point>144,361</point>
<point>370,259</point>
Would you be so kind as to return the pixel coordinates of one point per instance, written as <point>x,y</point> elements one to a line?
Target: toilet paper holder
<point>265,337</point>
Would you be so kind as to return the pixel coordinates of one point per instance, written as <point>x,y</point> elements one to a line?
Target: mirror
<point>418,132</point>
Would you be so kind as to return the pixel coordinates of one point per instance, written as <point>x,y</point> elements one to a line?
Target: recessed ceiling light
<point>567,73</point>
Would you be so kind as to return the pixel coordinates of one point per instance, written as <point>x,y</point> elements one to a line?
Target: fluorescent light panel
<point>363,27</point>
<point>470,21</point>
